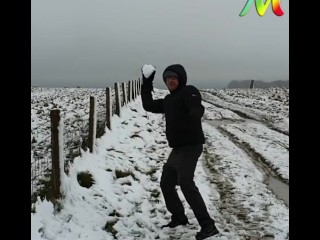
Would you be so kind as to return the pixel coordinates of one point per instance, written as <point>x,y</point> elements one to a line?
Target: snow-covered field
<point>125,201</point>
<point>269,105</point>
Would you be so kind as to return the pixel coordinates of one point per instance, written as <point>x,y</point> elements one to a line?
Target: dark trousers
<point>179,170</point>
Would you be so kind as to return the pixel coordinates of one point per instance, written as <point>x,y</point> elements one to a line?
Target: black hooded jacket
<point>182,108</point>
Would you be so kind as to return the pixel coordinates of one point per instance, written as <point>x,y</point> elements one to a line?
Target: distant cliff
<point>258,84</point>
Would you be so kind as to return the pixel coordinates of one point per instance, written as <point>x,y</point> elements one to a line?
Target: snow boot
<point>207,231</point>
<point>176,222</point>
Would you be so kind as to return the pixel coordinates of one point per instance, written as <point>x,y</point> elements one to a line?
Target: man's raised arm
<point>150,105</point>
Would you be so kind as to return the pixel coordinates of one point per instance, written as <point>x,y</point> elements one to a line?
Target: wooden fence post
<point>92,123</point>
<point>118,104</point>
<point>124,94</point>
<point>139,86</point>
<point>130,91</point>
<point>133,89</point>
<point>136,88</point>
<point>251,84</point>
<point>56,148</point>
<point>108,107</point>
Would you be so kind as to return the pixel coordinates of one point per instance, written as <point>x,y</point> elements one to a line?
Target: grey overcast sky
<point>95,43</point>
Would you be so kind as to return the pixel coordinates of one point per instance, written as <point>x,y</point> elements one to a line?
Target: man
<point>183,112</point>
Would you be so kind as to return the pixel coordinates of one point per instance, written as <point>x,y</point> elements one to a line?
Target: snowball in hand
<point>147,70</point>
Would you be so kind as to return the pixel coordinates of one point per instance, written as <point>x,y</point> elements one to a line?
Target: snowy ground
<point>125,201</point>
<point>270,105</point>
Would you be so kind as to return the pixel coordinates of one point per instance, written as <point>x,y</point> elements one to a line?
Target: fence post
<point>118,104</point>
<point>134,89</point>
<point>57,146</point>
<point>92,124</point>
<point>251,84</point>
<point>124,94</point>
<point>130,91</point>
<point>108,107</point>
<point>138,83</point>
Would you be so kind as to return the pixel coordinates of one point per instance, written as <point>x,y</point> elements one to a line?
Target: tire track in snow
<point>257,158</point>
<point>245,201</point>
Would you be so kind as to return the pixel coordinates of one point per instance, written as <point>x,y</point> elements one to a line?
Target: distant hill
<point>258,84</point>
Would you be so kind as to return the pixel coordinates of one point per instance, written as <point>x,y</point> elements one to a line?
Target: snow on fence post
<point>130,91</point>
<point>108,107</point>
<point>118,104</point>
<point>56,151</point>
<point>124,94</point>
<point>92,123</point>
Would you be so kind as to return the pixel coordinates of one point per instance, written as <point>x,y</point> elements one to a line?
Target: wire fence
<point>75,135</point>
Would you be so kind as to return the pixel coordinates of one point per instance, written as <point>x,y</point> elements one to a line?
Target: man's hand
<point>147,78</point>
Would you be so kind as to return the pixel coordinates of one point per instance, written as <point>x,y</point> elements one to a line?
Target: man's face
<point>172,83</point>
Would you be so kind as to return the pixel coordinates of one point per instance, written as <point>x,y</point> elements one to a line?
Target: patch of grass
<point>115,214</point>
<point>126,183</point>
<point>135,136</point>
<point>122,174</point>
<point>109,228</point>
<point>153,178</point>
<point>112,149</point>
<point>45,191</point>
<point>152,171</point>
<point>140,225</point>
<point>137,168</point>
<point>85,179</point>
<point>33,140</point>
<point>155,194</point>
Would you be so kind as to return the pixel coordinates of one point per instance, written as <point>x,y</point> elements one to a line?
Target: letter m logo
<point>261,6</point>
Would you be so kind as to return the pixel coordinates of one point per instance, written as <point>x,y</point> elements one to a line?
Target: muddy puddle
<point>280,189</point>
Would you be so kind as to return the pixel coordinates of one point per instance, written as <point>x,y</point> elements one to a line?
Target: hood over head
<point>179,70</point>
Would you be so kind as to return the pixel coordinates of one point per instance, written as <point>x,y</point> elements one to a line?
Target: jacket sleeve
<point>192,99</point>
<point>148,104</point>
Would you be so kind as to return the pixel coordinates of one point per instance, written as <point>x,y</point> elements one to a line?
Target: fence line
<point>55,168</point>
